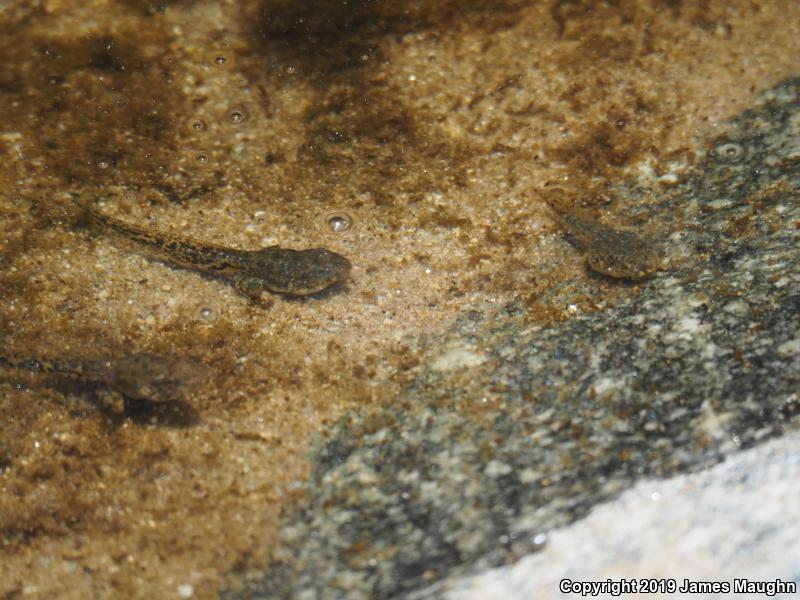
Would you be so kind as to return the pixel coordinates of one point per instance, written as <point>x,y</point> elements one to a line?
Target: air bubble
<point>220,60</point>
<point>202,158</point>
<point>236,116</point>
<point>102,164</point>
<point>338,222</point>
<point>199,125</point>
<point>206,313</point>
<point>730,152</point>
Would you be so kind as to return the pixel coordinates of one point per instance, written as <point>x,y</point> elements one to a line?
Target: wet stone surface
<point>702,525</point>
<point>516,428</point>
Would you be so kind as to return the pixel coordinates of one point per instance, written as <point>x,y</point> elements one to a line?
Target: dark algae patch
<point>326,39</point>
<point>105,107</point>
<point>549,421</point>
<point>95,105</point>
<point>359,137</point>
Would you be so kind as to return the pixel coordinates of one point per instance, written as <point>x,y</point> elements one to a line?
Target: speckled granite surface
<point>736,520</point>
<point>525,428</point>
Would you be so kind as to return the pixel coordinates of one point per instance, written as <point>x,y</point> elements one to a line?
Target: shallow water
<point>437,129</point>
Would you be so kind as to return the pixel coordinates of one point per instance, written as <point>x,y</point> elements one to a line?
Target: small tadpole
<point>157,378</point>
<point>615,253</point>
<point>250,272</point>
<point>138,376</point>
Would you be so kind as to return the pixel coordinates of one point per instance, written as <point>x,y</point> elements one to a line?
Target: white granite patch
<point>739,519</point>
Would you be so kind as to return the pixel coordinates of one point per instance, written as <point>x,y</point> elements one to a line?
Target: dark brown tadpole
<point>251,272</point>
<point>152,377</point>
<point>141,376</point>
<point>611,252</point>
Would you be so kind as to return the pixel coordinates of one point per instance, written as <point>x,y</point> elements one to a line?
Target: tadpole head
<point>628,257</point>
<point>300,272</point>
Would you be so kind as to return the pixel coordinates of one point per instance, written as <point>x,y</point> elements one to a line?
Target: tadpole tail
<point>82,206</point>
<point>35,365</point>
<point>86,213</point>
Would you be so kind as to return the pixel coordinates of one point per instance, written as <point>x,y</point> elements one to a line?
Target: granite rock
<point>733,521</point>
